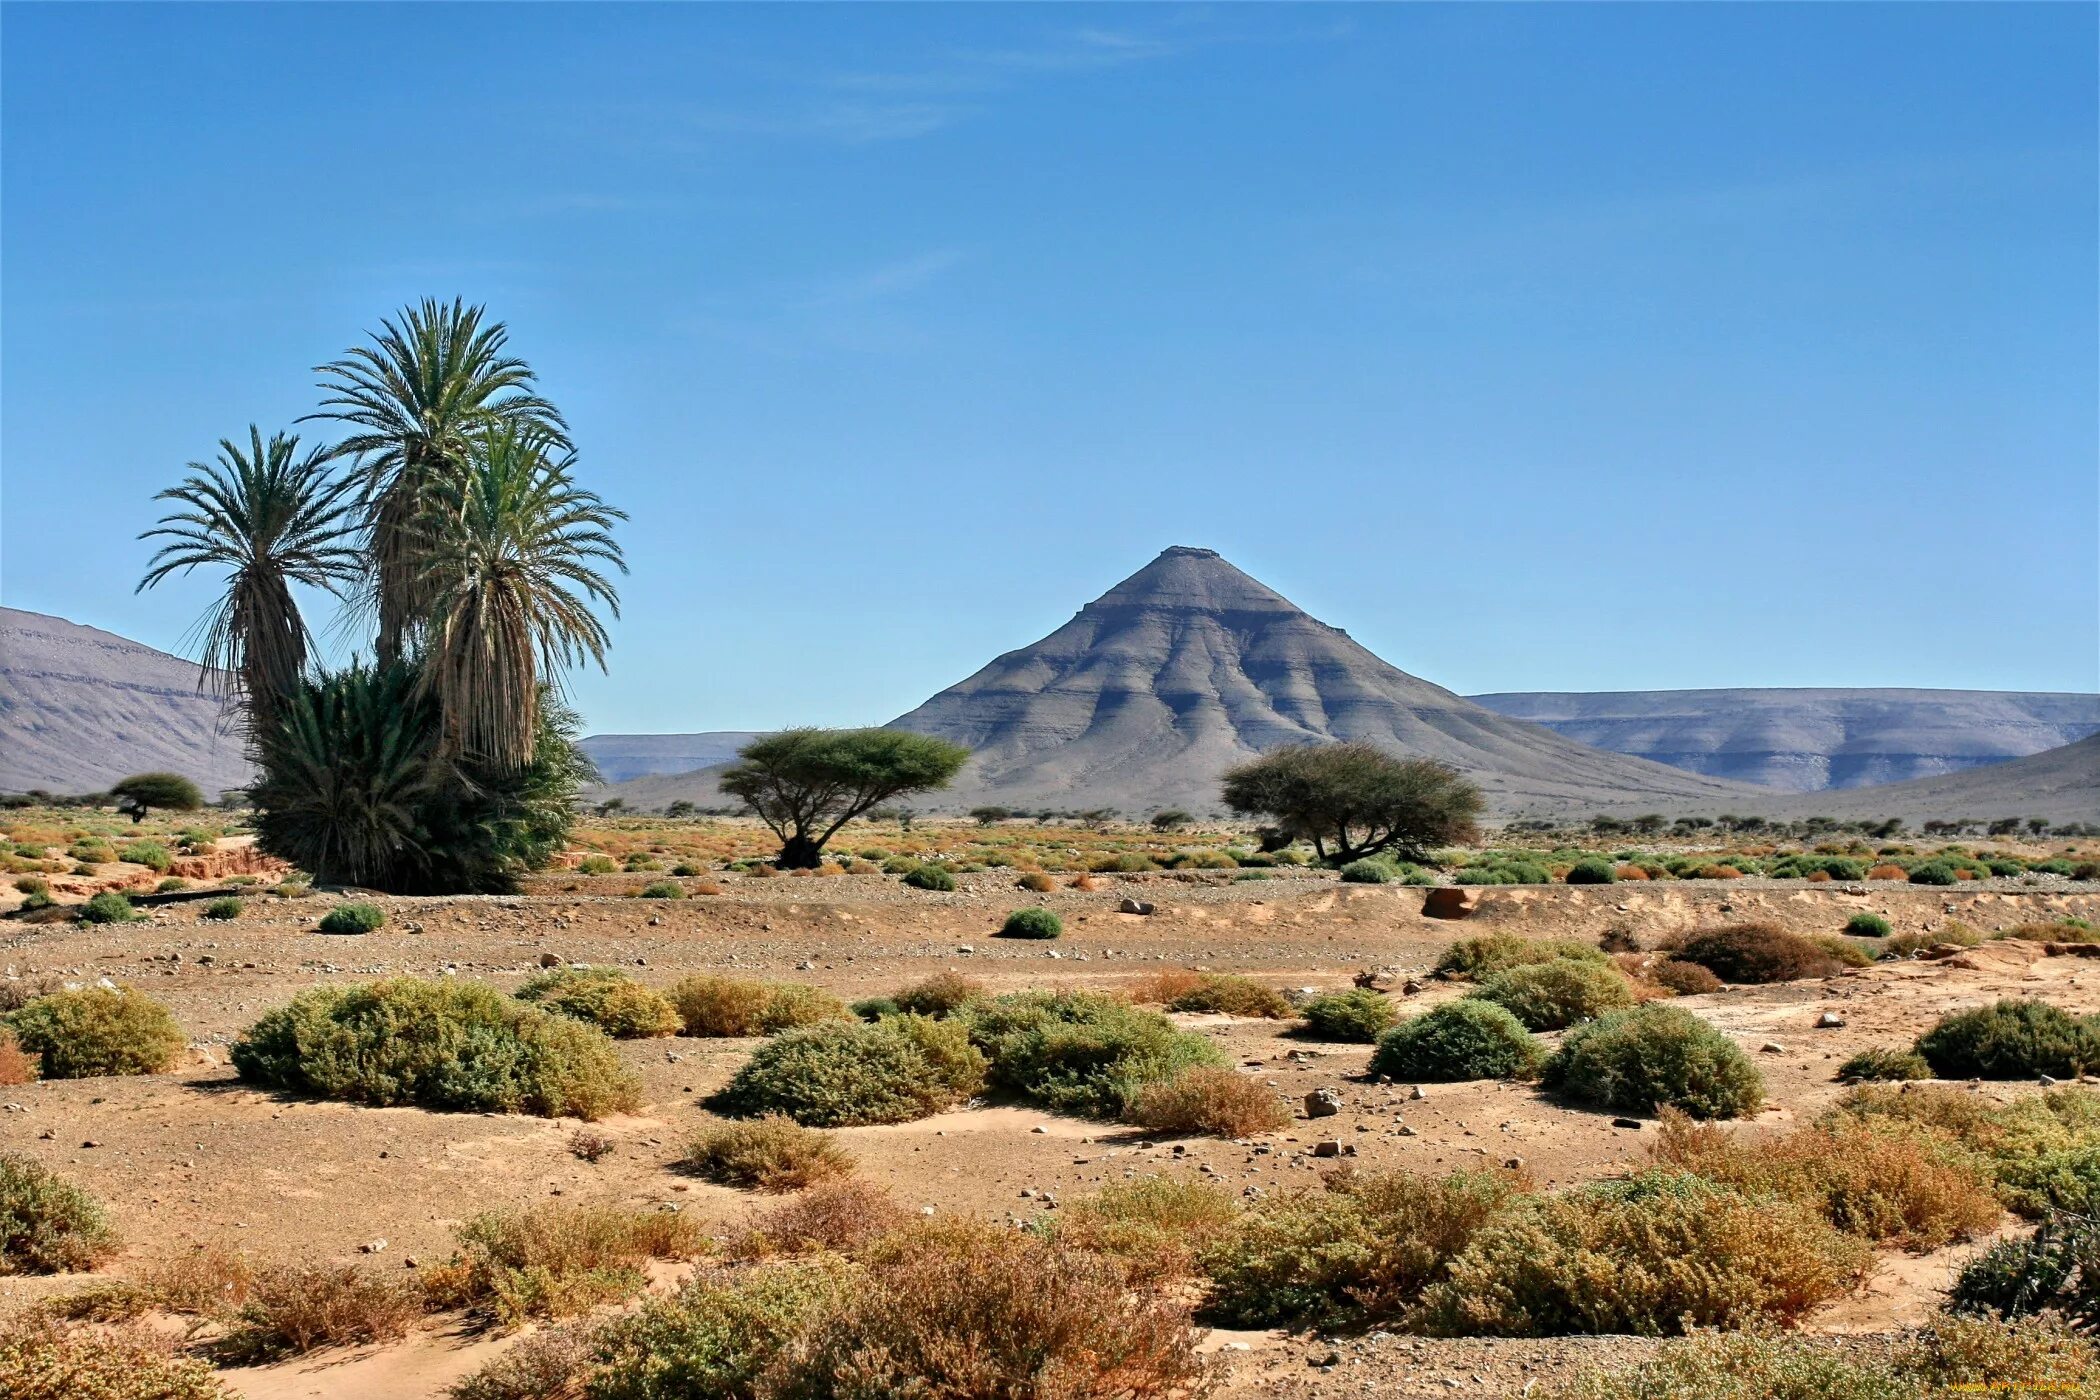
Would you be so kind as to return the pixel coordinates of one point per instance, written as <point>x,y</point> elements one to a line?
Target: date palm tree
<point>271,517</point>
<point>415,400</point>
<point>515,554</point>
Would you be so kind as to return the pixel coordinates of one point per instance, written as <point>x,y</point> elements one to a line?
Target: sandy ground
<point>195,1156</point>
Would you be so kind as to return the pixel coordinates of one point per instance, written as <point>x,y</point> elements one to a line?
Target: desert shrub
<point>875,1008</point>
<point>1757,953</point>
<point>1654,1255</point>
<point>967,1308</point>
<point>1079,1052</point>
<point>444,1045</point>
<point>1158,1226</point>
<point>1933,872</point>
<point>2057,1268</point>
<point>555,1260</point>
<point>552,1362</point>
<point>1687,979</point>
<point>1880,1063</point>
<point>32,884</point>
<point>2058,931</point>
<point>1553,996</point>
<point>1956,933</point>
<point>2010,1040</point>
<point>1880,1183</point>
<point>1652,1057</point>
<point>299,1308</point>
<point>597,865</point>
<point>1032,923</point>
<point>108,907</point>
<point>1362,1250</point>
<point>353,918</point>
<point>1504,873</point>
<point>1358,1014</point>
<point>930,877</point>
<point>840,1074</point>
<point>661,889</point>
<point>47,1224</point>
<point>15,1066</point>
<point>1233,996</point>
<point>170,885</point>
<point>1865,925</point>
<point>1367,872</point>
<point>840,1215</point>
<point>770,1153</point>
<point>223,909</point>
<point>1592,872</point>
<point>42,1359</point>
<point>603,997</point>
<point>1208,1099</point>
<point>1487,954</point>
<point>1036,882</point>
<point>728,1006</point>
<point>942,994</point>
<point>1888,871</point>
<point>721,1336</point>
<point>150,854</point>
<point>1459,1040</point>
<point>86,1031</point>
<point>1843,949</point>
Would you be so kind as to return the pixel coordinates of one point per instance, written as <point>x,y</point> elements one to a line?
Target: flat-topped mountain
<point>1807,740</point>
<point>81,708</point>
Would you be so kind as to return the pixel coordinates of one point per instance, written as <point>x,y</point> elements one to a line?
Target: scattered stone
<point>1416,1093</point>
<point>1771,1047</point>
<point>1134,906</point>
<point>1829,1021</point>
<point>550,960</point>
<point>371,1246</point>
<point>1633,1123</point>
<point>1327,1147</point>
<point>1323,1103</point>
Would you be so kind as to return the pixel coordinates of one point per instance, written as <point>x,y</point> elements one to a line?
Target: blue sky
<point>1576,347</point>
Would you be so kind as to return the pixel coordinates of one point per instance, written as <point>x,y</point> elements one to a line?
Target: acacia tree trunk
<point>799,852</point>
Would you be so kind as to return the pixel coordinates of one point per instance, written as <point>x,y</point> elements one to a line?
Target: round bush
<point>1553,996</point>
<point>1592,872</point>
<point>222,909</point>
<point>1865,925</point>
<point>1884,1064</point>
<point>1480,956</point>
<point>1655,1057</point>
<point>108,907</point>
<point>1757,953</point>
<point>1359,1014</point>
<point>444,1045</point>
<point>88,1031</point>
<point>1080,1052</point>
<point>842,1074</point>
<point>1459,1040</point>
<point>1934,872</point>
<point>597,865</point>
<point>353,918</point>
<point>1366,872</point>
<point>47,1224</point>
<point>929,877</point>
<point>1031,923</point>
<point>1687,979</point>
<point>606,998</point>
<point>942,994</point>
<point>661,889</point>
<point>773,1153</point>
<point>2011,1040</point>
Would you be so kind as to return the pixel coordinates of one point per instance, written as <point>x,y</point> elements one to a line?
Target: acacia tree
<point>1354,800</point>
<point>807,783</point>
<point>141,792</point>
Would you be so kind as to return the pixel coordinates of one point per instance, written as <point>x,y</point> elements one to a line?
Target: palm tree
<point>515,554</point>
<point>272,517</point>
<point>416,398</point>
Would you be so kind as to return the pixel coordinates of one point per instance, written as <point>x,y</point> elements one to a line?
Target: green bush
<point>929,877</point>
<point>1229,995</point>
<point>1082,1053</point>
<point>88,1031</point>
<point>2010,1040</point>
<point>47,1224</point>
<point>353,918</point>
<point>1486,954</point>
<point>1460,1040</point>
<point>1934,872</point>
<point>661,889</point>
<point>1367,872</point>
<point>771,1153</point>
<point>442,1045</point>
<point>1031,923</point>
<point>1865,925</point>
<point>32,884</point>
<point>730,1006</point>
<point>1358,1014</point>
<point>108,907</point>
<point>597,865</point>
<point>1592,872</point>
<point>170,885</point>
<point>42,1358</point>
<point>606,998</point>
<point>718,1337</point>
<point>1883,1064</point>
<point>2057,1268</point>
<point>1555,995</point>
<point>223,909</point>
<point>847,1073</point>
<point>942,994</point>
<point>150,854</point>
<point>1653,1057</point>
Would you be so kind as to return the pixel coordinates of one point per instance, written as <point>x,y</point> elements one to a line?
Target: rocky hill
<point>1808,740</point>
<point>81,708</point>
<point>623,756</point>
<point>2061,784</point>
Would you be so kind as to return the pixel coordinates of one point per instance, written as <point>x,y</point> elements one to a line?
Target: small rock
<point>550,960</point>
<point>1039,1128</point>
<point>1327,1147</point>
<point>1515,1164</point>
<point>1771,1047</point>
<point>1633,1123</point>
<point>1323,1103</point>
<point>1829,1021</point>
<point>371,1246</point>
<point>1416,1093</point>
<point>1134,906</point>
<point>2047,1080</point>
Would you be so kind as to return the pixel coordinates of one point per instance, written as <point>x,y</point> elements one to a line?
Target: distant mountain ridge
<point>620,757</point>
<point>1806,740</point>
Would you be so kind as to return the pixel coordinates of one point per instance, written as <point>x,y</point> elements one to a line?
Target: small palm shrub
<point>2057,1268</point>
<point>47,1224</point>
<point>556,1260</point>
<point>1032,923</point>
<point>1880,1063</point>
<point>353,918</point>
<point>1229,995</point>
<point>1757,952</point>
<point>1865,925</point>
<point>842,1074</point>
<point>443,1045</point>
<point>299,1308</point>
<point>1487,954</point>
<point>1367,872</point>
<point>1553,996</point>
<point>1209,1100</point>
<point>1653,1057</point>
<point>729,1006</point>
<point>108,907</point>
<point>1358,1014</point>
<point>1459,1040</point>
<point>1592,871</point>
<point>2010,1040</point>
<point>41,1358</point>
<point>930,877</point>
<point>661,889</point>
<point>942,994</point>
<point>1687,979</point>
<point>1082,1053</point>
<point>770,1153</point>
<point>220,910</point>
<point>87,1031</point>
<point>603,997</point>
